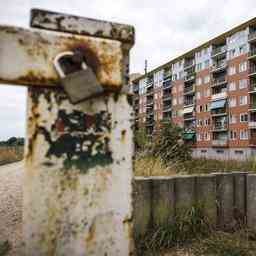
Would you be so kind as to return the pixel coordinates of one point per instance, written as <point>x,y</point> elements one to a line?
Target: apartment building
<point>210,91</point>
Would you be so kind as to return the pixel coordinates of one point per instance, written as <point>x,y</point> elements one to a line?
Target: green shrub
<point>4,248</point>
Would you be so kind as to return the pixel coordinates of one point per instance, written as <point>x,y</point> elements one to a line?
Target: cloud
<point>164,29</point>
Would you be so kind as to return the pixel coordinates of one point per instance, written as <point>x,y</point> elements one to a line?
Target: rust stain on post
<point>31,54</point>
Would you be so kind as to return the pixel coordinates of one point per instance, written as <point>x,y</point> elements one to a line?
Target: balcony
<point>252,37</point>
<point>252,88</point>
<point>219,96</point>
<point>189,89</point>
<point>150,82</point>
<point>217,67</point>
<point>189,103</point>
<point>150,102</point>
<point>150,91</point>
<point>167,96</point>
<point>189,134</point>
<point>150,114</point>
<point>219,126</point>
<point>149,123</point>
<point>252,71</point>
<point>219,112</point>
<point>167,84</point>
<point>219,51</point>
<point>252,107</point>
<point>252,54</point>
<point>190,77</point>
<point>167,75</point>
<point>167,108</point>
<point>220,143</point>
<point>189,117</point>
<point>136,106</point>
<point>252,125</point>
<point>135,89</point>
<point>219,81</point>
<point>189,64</point>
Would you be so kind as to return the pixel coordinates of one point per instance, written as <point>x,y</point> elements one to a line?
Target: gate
<point>78,157</point>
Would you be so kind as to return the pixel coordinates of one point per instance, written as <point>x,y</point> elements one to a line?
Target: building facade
<point>210,91</point>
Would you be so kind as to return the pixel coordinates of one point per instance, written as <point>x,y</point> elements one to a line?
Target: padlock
<point>78,80</point>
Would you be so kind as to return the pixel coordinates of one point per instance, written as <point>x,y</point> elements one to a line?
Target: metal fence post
<point>78,158</point>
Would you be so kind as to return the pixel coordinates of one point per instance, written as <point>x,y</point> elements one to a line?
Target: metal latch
<point>78,80</point>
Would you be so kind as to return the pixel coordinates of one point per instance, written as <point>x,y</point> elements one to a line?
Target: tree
<point>168,144</point>
<point>141,139</point>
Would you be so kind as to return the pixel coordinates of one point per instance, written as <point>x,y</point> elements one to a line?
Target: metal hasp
<point>78,180</point>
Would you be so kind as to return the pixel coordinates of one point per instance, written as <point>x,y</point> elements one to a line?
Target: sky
<point>164,30</point>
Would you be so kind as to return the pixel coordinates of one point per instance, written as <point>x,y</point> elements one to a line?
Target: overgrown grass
<point>240,243</point>
<point>10,154</point>
<point>152,166</point>
<point>185,228</point>
<point>193,233</point>
<point>4,248</point>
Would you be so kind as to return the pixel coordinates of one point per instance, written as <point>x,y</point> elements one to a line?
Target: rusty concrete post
<point>78,179</point>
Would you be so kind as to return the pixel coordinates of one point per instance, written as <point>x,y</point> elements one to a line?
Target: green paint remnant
<point>82,139</point>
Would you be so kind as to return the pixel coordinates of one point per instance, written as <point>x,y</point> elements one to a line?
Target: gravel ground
<point>11,179</point>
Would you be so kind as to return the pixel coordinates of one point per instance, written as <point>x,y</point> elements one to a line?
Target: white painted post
<point>78,180</point>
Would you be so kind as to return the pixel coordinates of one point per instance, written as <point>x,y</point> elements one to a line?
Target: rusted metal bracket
<point>26,56</point>
<point>82,26</point>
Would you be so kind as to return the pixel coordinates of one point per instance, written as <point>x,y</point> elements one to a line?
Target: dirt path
<point>11,179</point>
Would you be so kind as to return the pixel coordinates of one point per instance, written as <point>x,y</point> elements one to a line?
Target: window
<point>242,49</point>
<point>207,121</point>
<point>242,83</point>
<point>174,77</point>
<point>181,75</point>
<point>232,86</point>
<point>243,134</point>
<point>207,64</point>
<point>200,122</point>
<point>243,117</point>
<point>180,88</point>
<point>243,66</point>
<point>199,137</point>
<point>232,119</point>
<point>199,81</point>
<point>219,151</point>
<point>239,152</point>
<point>181,99</point>
<point>199,66</point>
<point>232,102</point>
<point>207,79</point>
<point>206,107</point>
<point>198,95</point>
<point>174,114</point>
<point>232,53</point>
<point>233,135</point>
<point>232,70</point>
<point>174,102</point>
<point>242,100</point>
<point>201,108</point>
<point>207,93</point>
<point>203,151</point>
<point>207,136</point>
<point>174,90</point>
